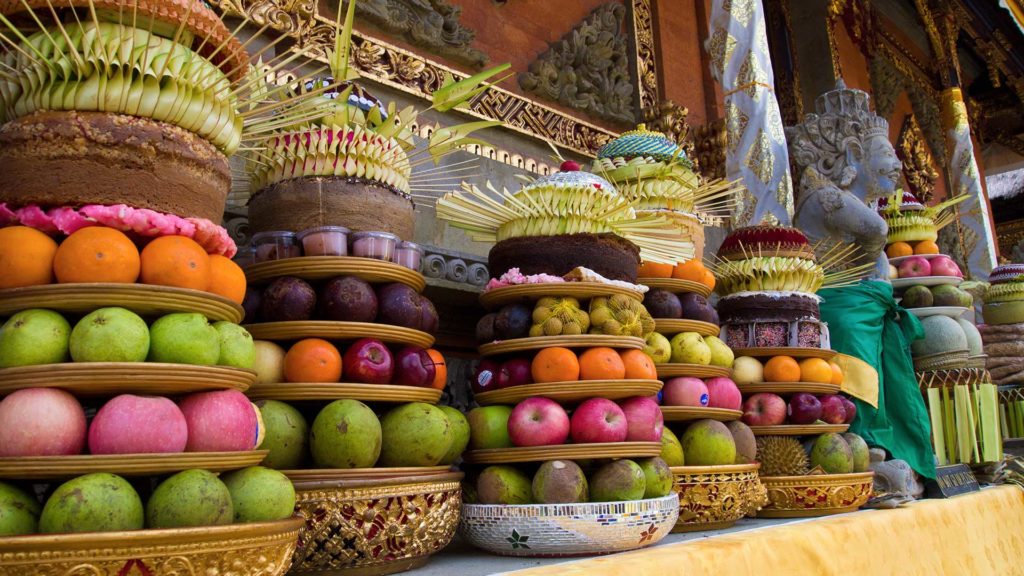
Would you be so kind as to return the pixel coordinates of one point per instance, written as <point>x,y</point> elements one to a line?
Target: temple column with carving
<point>755,140</point>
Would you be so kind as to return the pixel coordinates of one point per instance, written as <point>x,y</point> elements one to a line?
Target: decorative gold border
<point>403,70</point>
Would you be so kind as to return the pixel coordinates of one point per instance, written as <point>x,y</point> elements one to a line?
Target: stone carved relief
<point>918,168</point>
<point>430,24</point>
<point>709,143</point>
<point>588,69</point>
<point>669,118</point>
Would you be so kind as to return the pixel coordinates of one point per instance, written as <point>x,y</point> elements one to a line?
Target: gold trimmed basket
<point>376,526</point>
<point>816,494</point>
<point>715,497</point>
<point>254,549</point>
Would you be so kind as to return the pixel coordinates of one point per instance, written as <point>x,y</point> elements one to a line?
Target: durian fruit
<point>781,456</point>
<point>620,315</point>
<point>559,317</point>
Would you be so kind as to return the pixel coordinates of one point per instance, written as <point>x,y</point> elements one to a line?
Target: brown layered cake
<point>767,277</point>
<point>85,125</point>
<point>558,222</point>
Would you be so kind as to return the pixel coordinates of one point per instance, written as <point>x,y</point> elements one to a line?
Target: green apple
<point>658,348</point>
<point>236,346</point>
<point>690,348</point>
<point>721,354</point>
<point>184,338</point>
<point>33,337</point>
<point>488,427</point>
<point>110,335</point>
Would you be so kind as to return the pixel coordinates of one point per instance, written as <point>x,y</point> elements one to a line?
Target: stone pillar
<point>756,143</point>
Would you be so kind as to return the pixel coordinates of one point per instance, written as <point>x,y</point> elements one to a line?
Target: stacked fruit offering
<point>1003,332</point>
<point>564,381</point>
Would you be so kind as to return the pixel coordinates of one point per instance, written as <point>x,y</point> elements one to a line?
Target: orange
<point>639,365</point>
<point>815,370</point>
<point>897,249</point>
<point>837,373</point>
<point>781,369</point>
<point>97,254</point>
<point>601,364</point>
<point>176,261</point>
<point>695,271</point>
<point>655,270</point>
<point>555,365</point>
<point>312,360</point>
<point>440,369</point>
<point>926,247</point>
<point>226,278</point>
<point>26,257</point>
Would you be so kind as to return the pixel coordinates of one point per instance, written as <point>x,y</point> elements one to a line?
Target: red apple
<point>685,391</point>
<point>41,422</point>
<point>414,367</point>
<point>832,409</point>
<point>598,420</point>
<point>723,393</point>
<point>764,409</point>
<point>221,421</point>
<point>803,408</point>
<point>538,422</point>
<point>644,421</point>
<point>368,361</point>
<point>915,267</point>
<point>129,424</point>
<point>514,372</point>
<point>486,376</point>
<point>943,265</point>
<point>851,410</point>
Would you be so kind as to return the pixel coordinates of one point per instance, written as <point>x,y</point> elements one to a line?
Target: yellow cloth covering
<point>979,534</point>
<point>860,379</point>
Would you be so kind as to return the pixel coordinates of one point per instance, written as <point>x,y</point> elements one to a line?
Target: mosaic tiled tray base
<point>568,529</point>
<point>374,527</point>
<point>815,495</point>
<point>715,497</point>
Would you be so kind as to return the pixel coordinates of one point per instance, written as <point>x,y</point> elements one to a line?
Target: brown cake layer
<point>76,158</point>
<point>356,203</point>
<point>767,308</point>
<point>211,35</point>
<point>607,254</point>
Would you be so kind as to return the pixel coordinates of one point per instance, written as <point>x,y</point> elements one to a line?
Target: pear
<point>184,338</point>
<point>110,335</point>
<point>33,337</point>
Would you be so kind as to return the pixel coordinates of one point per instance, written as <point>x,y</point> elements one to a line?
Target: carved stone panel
<point>430,24</point>
<point>588,69</point>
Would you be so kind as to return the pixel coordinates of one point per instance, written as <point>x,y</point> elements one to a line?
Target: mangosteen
<point>251,305</point>
<point>400,305</point>
<point>663,304</point>
<point>347,298</point>
<point>513,321</point>
<point>428,316</point>
<point>287,298</point>
<point>697,307</point>
<point>485,328</point>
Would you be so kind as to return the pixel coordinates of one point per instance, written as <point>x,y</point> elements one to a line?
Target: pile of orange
<point>898,249</point>
<point>693,270</point>
<point>787,369</point>
<point>562,365</point>
<point>29,257</point>
<point>312,360</point>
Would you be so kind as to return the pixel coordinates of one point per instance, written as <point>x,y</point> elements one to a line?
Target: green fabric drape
<point>865,321</point>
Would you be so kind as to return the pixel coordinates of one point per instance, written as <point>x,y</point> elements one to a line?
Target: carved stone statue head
<point>847,143</point>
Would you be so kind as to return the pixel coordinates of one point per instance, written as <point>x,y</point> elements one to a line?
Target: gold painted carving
<point>588,68</point>
<point>918,168</point>
<point>646,67</point>
<point>1011,236</point>
<point>816,494</point>
<point>709,496</point>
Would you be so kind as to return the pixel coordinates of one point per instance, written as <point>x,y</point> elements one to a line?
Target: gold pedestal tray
<point>715,497</point>
<point>667,326</point>
<point>298,391</point>
<point>59,467</point>
<point>815,494</point>
<point>374,527</point>
<point>541,342</point>
<point>332,330</point>
<point>673,370</point>
<point>252,549</point>
<point>794,352</point>
<point>570,392</point>
<point>91,379</point>
<point>563,452</point>
<point>528,293</point>
<point>676,285</point>
<point>689,413</point>
<point>788,387</point>
<point>143,299</point>
<point>798,429</point>
<point>330,474</point>
<point>324,267</point>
